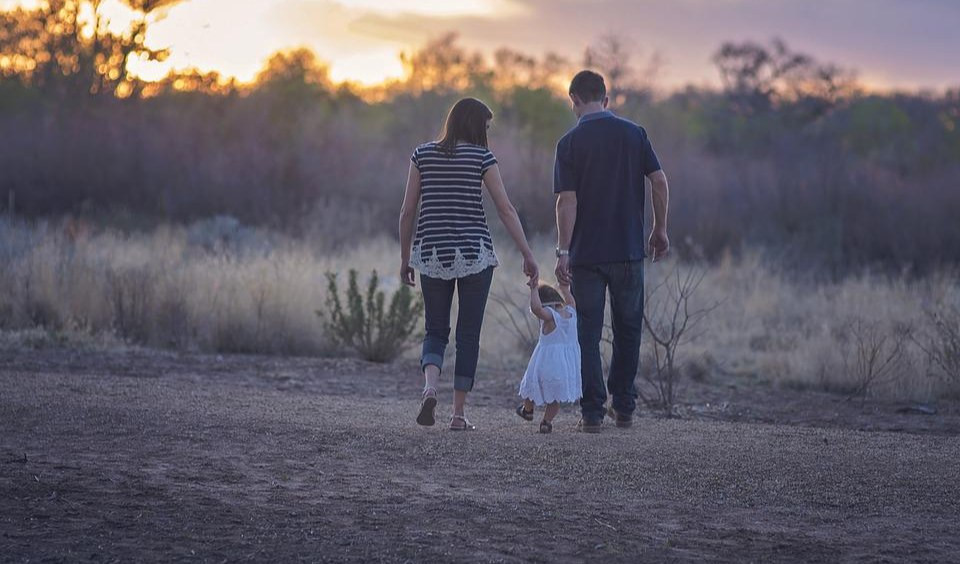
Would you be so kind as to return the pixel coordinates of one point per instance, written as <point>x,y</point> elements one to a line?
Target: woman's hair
<point>467,123</point>
<point>548,294</point>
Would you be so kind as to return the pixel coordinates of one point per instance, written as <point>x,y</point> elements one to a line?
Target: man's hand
<point>563,270</point>
<point>406,274</point>
<point>659,244</point>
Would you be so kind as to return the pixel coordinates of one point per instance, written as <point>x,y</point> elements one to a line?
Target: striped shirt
<point>452,239</point>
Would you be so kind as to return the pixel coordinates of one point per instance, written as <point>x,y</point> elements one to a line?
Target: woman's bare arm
<point>510,218</point>
<point>408,215</point>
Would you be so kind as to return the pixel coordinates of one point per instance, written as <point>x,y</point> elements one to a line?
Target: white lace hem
<point>431,266</point>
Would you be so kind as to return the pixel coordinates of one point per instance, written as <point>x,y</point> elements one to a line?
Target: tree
<point>757,77</point>
<point>443,66</point>
<point>65,47</point>
<point>613,56</point>
<point>297,71</point>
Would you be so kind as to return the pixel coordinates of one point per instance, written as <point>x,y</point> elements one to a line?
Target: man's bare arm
<point>660,194</point>
<point>566,219</point>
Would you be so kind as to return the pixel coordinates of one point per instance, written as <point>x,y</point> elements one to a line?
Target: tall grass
<point>218,286</point>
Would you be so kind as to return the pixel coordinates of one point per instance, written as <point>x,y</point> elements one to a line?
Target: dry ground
<point>152,456</point>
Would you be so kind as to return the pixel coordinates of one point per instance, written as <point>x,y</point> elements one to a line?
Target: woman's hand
<point>530,269</point>
<point>406,274</point>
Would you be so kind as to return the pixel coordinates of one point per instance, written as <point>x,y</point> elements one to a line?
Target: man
<point>599,181</point>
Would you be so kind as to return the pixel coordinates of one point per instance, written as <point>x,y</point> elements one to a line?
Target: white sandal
<point>467,426</point>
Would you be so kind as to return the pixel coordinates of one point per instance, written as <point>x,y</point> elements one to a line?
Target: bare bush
<point>941,342</point>
<point>873,354</point>
<point>671,319</point>
<point>513,316</point>
<point>131,295</point>
<point>364,325</point>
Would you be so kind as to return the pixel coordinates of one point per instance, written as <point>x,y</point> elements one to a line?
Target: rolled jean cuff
<point>431,358</point>
<point>463,383</point>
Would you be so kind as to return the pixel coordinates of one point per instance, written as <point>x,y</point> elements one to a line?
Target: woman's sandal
<point>427,406</point>
<point>524,414</point>
<point>467,426</point>
<point>546,427</point>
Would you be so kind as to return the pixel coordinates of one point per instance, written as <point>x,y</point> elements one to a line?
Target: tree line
<point>790,155</point>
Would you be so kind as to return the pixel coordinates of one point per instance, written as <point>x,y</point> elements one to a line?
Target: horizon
<point>362,40</point>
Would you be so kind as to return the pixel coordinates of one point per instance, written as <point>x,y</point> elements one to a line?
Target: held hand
<point>564,277</point>
<point>406,275</point>
<point>659,244</point>
<point>530,269</point>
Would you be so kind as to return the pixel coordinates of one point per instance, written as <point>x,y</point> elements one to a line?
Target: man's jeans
<point>472,294</point>
<point>590,284</point>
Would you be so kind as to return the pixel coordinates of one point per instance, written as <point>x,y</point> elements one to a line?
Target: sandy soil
<point>152,456</point>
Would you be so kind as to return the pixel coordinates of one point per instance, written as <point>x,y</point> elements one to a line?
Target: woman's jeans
<point>624,281</point>
<point>472,294</point>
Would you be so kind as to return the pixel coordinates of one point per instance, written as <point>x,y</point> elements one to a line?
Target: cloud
<point>899,42</point>
<point>904,43</point>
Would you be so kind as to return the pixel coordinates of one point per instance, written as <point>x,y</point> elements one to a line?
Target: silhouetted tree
<point>442,65</point>
<point>756,77</point>
<point>615,58</point>
<point>66,47</point>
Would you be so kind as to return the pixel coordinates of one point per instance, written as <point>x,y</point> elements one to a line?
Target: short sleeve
<point>488,161</point>
<point>415,158</point>
<point>564,172</point>
<point>651,163</point>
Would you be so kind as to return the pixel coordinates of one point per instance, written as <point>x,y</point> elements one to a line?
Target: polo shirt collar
<point>595,115</point>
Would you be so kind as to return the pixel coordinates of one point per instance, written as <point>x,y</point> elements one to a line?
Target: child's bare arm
<point>535,306</point>
<point>568,295</point>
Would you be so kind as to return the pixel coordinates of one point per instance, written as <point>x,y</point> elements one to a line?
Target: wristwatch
<point>562,252</point>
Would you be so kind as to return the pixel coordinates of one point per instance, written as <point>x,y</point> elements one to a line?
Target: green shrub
<point>363,325</point>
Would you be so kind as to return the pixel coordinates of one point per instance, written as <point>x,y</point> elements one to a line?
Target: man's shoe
<point>621,420</point>
<point>589,425</point>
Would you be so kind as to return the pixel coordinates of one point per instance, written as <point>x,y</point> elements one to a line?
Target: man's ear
<point>606,101</point>
<point>575,99</point>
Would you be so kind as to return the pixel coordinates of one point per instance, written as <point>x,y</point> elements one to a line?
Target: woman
<point>452,247</point>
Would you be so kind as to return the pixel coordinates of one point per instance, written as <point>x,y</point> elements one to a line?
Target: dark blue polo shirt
<point>604,159</point>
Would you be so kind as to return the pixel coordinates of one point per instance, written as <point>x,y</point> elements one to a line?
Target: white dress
<point>553,373</point>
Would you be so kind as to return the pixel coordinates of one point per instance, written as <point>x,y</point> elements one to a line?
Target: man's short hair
<point>588,86</point>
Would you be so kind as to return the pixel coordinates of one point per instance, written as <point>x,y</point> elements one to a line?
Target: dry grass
<point>217,286</point>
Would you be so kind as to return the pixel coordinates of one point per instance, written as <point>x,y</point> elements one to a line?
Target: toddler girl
<point>553,374</point>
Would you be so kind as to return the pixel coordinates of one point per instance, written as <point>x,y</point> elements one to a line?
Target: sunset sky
<point>892,43</point>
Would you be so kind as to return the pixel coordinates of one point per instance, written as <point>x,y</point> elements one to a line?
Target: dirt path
<point>157,457</point>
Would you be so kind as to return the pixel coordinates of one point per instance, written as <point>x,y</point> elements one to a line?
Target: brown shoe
<point>621,420</point>
<point>589,426</point>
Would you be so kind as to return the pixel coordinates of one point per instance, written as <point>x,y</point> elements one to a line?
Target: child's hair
<point>549,295</point>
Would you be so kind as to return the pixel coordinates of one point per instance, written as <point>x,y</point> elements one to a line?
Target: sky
<point>900,44</point>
